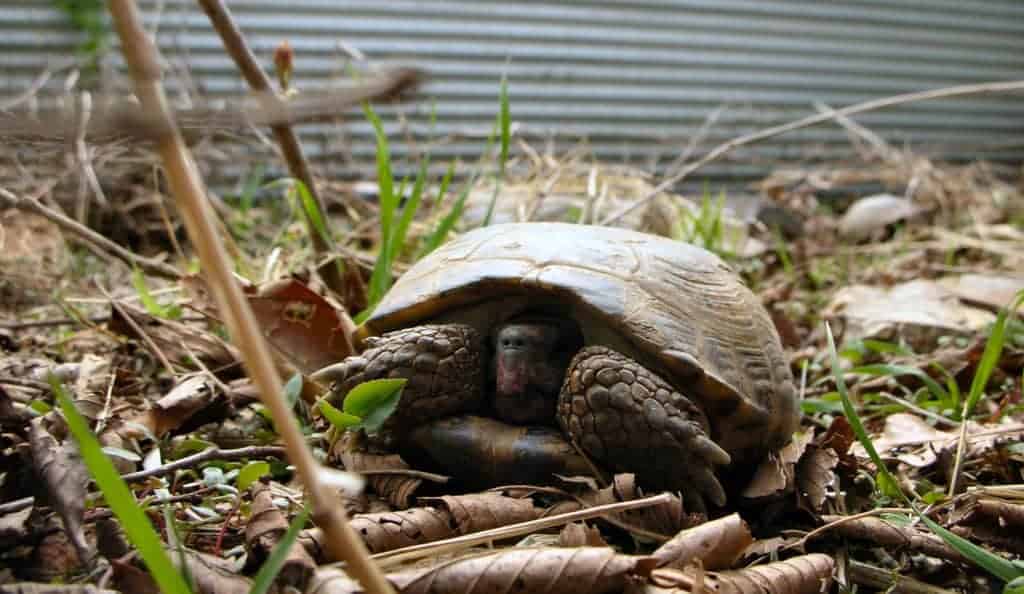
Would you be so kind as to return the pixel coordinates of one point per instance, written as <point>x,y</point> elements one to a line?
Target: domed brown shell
<point>678,309</point>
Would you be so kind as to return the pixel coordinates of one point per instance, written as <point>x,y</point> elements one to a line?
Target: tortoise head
<point>531,355</point>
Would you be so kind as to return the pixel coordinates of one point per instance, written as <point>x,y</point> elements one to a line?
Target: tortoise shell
<point>676,308</point>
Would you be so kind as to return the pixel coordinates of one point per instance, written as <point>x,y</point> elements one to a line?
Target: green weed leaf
<point>149,302</point>
<point>374,401</point>
<point>118,496</point>
<point>251,473</point>
<point>341,420</point>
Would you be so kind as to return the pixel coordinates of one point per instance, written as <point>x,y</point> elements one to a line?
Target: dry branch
<point>116,117</point>
<point>291,149</point>
<point>187,188</point>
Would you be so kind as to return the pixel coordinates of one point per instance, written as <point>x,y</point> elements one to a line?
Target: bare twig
<point>287,140</point>
<point>124,118</point>
<point>95,242</point>
<point>461,542</point>
<point>143,336</point>
<point>187,188</point>
<point>727,147</point>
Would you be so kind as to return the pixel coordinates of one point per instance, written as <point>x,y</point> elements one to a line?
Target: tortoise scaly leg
<point>443,364</point>
<point>630,418</point>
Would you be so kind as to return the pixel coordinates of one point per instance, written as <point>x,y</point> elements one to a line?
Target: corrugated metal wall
<point>637,78</point>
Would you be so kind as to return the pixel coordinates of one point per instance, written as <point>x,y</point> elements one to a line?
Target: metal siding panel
<point>634,77</point>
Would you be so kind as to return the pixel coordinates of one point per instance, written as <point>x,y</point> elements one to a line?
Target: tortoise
<point>650,354</point>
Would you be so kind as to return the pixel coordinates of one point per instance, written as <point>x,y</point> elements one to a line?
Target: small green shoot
<point>91,20</point>
<point>250,473</point>
<point>338,417</point>
<point>272,566</point>
<point>704,227</point>
<point>153,307</point>
<point>119,497</point>
<point>366,406</point>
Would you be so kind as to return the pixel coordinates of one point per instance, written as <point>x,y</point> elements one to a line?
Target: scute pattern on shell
<point>680,305</point>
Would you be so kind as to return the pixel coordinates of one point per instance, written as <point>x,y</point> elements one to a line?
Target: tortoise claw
<point>331,374</point>
<point>710,451</point>
<point>708,486</point>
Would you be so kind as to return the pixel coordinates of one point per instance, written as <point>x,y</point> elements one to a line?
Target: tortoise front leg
<point>443,364</point>
<point>630,418</point>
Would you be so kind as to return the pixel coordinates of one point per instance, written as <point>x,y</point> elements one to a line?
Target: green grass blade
<point>252,185</point>
<point>380,278</point>
<point>882,369</point>
<point>312,210</point>
<point>994,564</point>
<point>505,119</point>
<point>119,497</point>
<point>448,222</point>
<point>886,481</point>
<point>990,356</point>
<point>411,207</point>
<point>504,125</point>
<point>442,190</point>
<point>272,566</point>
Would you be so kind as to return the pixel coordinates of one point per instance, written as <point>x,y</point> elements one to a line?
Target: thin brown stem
<point>188,190</point>
<point>287,140</point>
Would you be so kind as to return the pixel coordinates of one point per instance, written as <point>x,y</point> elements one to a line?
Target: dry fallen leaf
<point>989,291</point>
<point>903,430</point>
<point>580,534</point>
<point>586,570</point>
<point>303,326</point>
<point>266,525</point>
<point>918,311</point>
<point>776,472</point>
<point>806,574</point>
<point>66,479</point>
<point>816,477</point>
<point>716,544</point>
<point>194,395</point>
